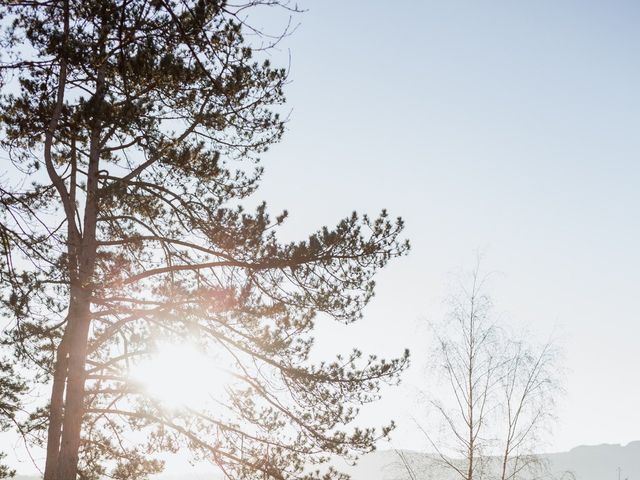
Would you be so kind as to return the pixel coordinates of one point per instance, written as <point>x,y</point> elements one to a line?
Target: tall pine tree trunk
<point>79,321</point>
<point>56,410</point>
<point>75,344</point>
<point>81,296</point>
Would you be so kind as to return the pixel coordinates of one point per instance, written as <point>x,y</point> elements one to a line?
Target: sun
<point>181,376</point>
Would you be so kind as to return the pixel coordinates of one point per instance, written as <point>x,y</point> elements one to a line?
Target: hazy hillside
<point>599,462</point>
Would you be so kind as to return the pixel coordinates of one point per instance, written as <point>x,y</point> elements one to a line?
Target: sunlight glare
<point>181,376</point>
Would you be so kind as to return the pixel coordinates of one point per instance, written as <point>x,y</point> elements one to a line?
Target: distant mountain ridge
<point>586,462</point>
<point>600,462</point>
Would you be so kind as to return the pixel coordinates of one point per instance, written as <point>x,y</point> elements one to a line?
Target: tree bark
<point>79,319</point>
<point>80,297</point>
<point>470,386</point>
<point>54,430</point>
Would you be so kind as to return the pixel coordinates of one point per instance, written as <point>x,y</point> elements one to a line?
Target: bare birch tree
<point>498,395</point>
<point>528,388</point>
<point>467,357</point>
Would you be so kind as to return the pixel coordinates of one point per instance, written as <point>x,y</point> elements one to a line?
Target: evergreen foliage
<point>11,387</point>
<point>133,130</point>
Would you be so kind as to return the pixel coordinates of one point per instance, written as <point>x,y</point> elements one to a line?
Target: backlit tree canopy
<point>131,130</point>
<point>11,387</point>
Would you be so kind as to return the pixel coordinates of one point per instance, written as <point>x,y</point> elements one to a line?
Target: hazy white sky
<point>512,127</point>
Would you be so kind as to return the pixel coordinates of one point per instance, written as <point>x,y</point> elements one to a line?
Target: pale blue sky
<point>506,126</point>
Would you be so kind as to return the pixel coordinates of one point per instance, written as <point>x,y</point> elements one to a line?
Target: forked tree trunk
<point>64,444</point>
<point>55,410</point>
<point>80,302</point>
<point>79,321</point>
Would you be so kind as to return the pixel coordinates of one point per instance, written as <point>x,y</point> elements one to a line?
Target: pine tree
<point>11,387</point>
<point>134,130</point>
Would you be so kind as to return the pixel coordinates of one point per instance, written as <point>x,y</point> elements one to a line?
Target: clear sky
<point>510,127</point>
<point>506,126</point>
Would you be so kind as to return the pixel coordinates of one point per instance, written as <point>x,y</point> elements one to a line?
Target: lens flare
<point>181,375</point>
